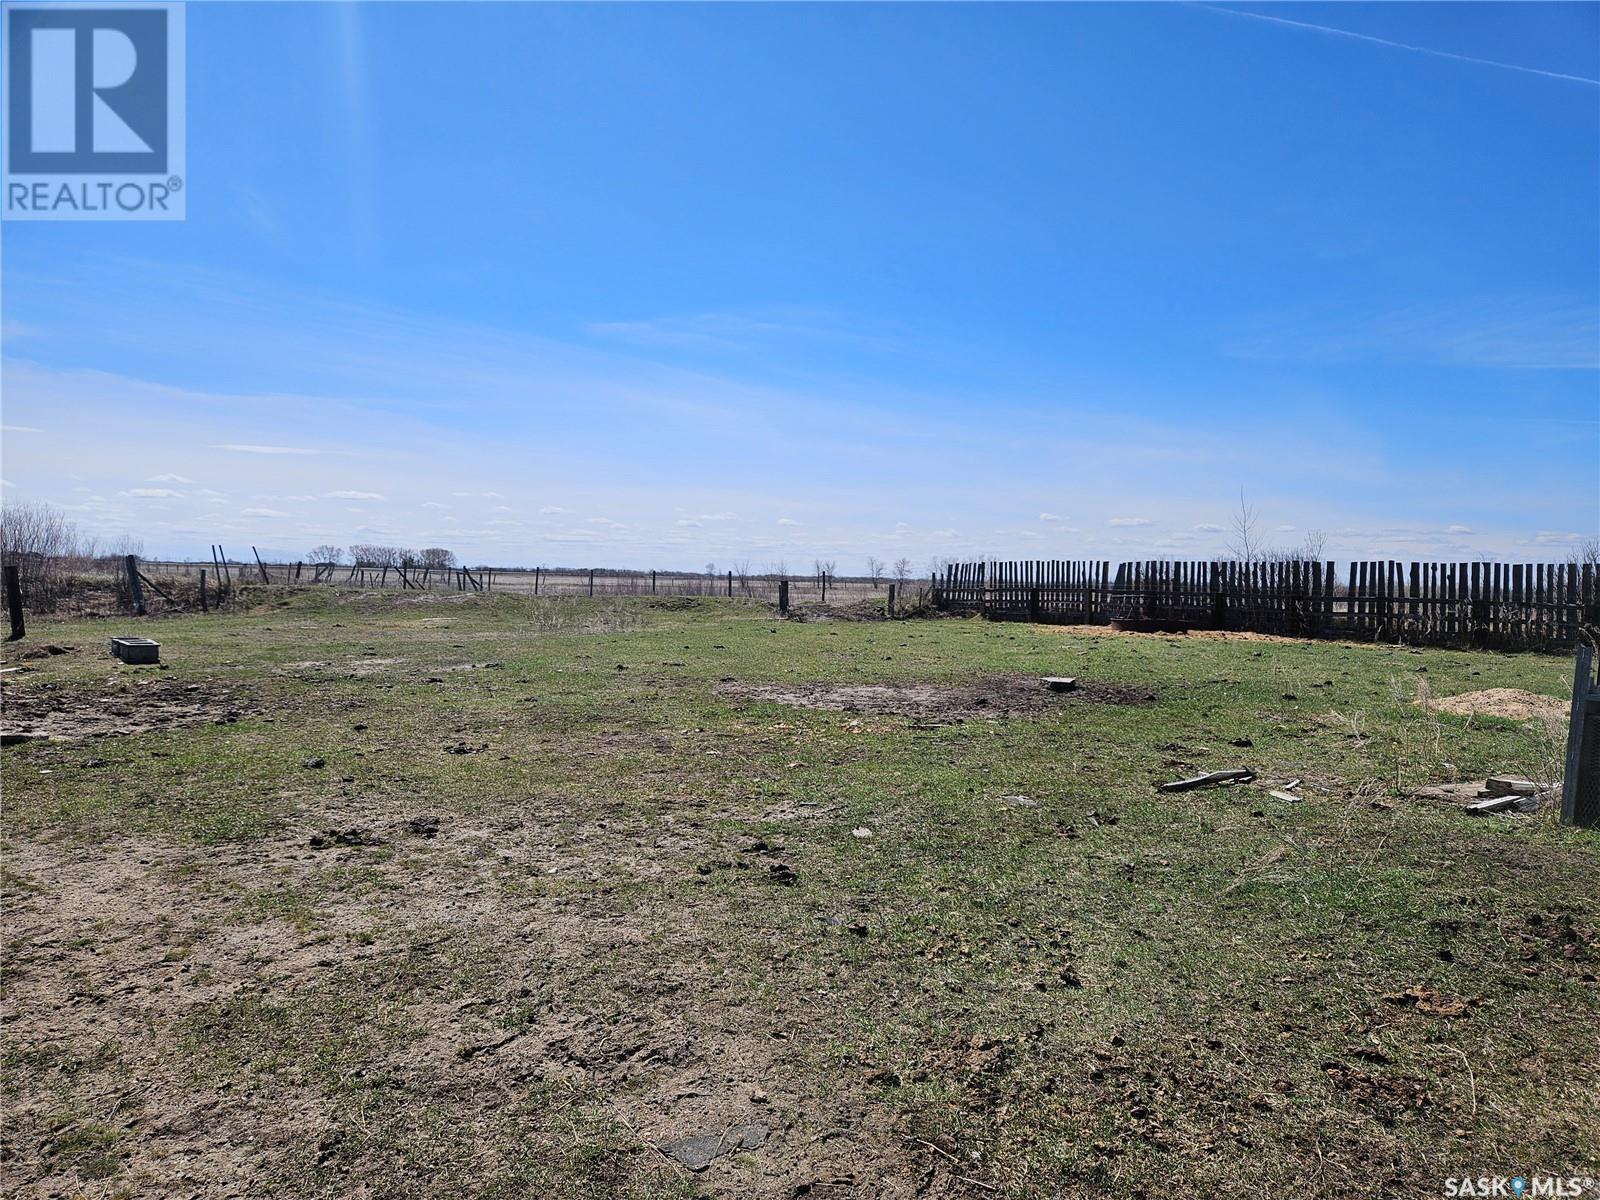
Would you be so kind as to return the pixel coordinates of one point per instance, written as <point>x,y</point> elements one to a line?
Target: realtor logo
<point>93,119</point>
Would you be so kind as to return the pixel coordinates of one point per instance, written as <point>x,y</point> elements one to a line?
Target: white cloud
<point>20,429</point>
<point>1206,528</point>
<point>348,495</point>
<point>248,448</point>
<point>553,510</point>
<point>687,524</point>
<point>788,521</point>
<point>1458,528</point>
<point>261,512</point>
<point>1127,522</point>
<point>1283,528</point>
<point>721,516</point>
<point>1551,537</point>
<point>1048,517</point>
<point>168,479</point>
<point>153,494</point>
<point>433,504</point>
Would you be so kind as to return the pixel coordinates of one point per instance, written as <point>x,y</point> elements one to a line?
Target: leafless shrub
<point>51,557</point>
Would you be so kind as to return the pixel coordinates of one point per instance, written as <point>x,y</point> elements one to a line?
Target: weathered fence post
<point>730,585</point>
<point>205,605</point>
<point>591,581</point>
<point>824,587</point>
<point>652,583</point>
<point>1033,604</point>
<point>1578,788</point>
<point>783,597</point>
<point>261,566</point>
<point>134,590</point>
<point>14,601</point>
<point>890,608</point>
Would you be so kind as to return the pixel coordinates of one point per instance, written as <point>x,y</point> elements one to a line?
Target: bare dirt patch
<point>1514,703</point>
<point>994,696</point>
<point>464,963</point>
<point>1204,635</point>
<point>119,709</point>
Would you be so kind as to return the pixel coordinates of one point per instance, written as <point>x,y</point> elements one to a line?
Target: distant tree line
<point>367,554</point>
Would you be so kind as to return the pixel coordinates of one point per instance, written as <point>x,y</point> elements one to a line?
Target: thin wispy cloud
<point>250,448</point>
<point>1528,333</point>
<point>1378,41</point>
<point>728,331</point>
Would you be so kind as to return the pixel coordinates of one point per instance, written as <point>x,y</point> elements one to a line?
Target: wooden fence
<point>1501,605</point>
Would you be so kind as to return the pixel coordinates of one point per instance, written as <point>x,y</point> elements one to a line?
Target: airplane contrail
<point>1367,37</point>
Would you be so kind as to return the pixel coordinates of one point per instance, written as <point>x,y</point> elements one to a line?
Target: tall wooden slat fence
<point>1500,605</point>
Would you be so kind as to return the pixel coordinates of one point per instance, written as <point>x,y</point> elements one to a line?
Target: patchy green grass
<point>997,956</point>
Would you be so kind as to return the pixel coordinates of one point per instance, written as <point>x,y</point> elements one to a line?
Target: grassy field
<point>391,895</point>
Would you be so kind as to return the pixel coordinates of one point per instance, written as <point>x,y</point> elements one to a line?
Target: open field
<point>399,894</point>
<point>560,581</point>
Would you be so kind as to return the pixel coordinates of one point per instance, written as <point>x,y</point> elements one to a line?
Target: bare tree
<point>874,569</point>
<point>902,570</point>
<point>366,554</point>
<point>43,545</point>
<point>1313,544</point>
<point>1587,554</point>
<point>326,555</point>
<point>1244,541</point>
<point>437,558</point>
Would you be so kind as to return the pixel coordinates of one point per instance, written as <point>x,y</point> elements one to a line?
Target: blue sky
<point>661,285</point>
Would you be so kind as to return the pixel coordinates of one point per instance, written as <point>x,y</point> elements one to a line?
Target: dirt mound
<point>861,610</point>
<point>36,652</point>
<point>47,712</point>
<point>994,696</point>
<point>1502,702</point>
